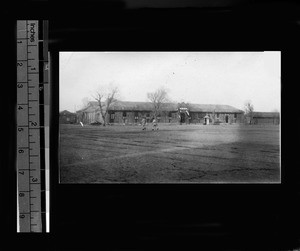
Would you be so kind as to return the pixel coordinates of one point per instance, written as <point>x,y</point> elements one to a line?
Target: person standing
<point>144,123</point>
<point>155,125</point>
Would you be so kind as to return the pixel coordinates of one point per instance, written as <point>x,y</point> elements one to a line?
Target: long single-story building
<point>126,112</point>
<point>266,118</point>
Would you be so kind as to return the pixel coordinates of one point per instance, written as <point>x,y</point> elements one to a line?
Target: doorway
<point>112,117</point>
<point>182,117</point>
<point>226,118</point>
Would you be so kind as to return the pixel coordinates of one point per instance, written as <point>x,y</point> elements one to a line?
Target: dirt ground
<point>172,154</point>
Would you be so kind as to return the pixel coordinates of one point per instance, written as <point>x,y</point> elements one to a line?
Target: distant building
<point>125,112</point>
<point>66,117</point>
<point>266,118</point>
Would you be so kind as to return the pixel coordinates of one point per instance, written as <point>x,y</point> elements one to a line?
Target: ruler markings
<point>31,50</point>
<point>28,134</point>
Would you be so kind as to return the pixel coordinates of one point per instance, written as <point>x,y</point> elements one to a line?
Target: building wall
<point>274,121</point>
<point>198,117</point>
<point>165,117</point>
<point>240,118</point>
<point>67,119</point>
<point>89,117</point>
<point>131,117</point>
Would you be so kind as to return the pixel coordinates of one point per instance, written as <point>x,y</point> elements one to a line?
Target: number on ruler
<point>21,151</point>
<point>19,64</point>
<point>34,123</point>
<point>21,172</point>
<point>20,107</point>
<point>20,129</point>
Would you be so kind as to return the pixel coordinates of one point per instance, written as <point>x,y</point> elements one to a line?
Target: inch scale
<point>32,125</point>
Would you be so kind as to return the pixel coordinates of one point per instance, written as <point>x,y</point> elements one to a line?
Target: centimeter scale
<point>32,125</point>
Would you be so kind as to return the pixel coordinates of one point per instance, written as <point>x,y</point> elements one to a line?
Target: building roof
<point>265,114</point>
<point>66,112</point>
<point>214,108</point>
<point>147,106</point>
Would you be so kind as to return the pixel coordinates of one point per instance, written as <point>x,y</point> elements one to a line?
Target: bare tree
<point>105,96</point>
<point>158,100</point>
<point>249,109</point>
<point>85,101</point>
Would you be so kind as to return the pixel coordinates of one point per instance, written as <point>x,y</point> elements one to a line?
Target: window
<point>170,114</point>
<point>112,115</point>
<point>217,115</point>
<point>235,115</point>
<point>124,114</point>
<point>136,114</point>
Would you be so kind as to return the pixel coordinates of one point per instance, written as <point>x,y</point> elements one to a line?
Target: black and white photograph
<point>169,117</point>
<point>151,125</point>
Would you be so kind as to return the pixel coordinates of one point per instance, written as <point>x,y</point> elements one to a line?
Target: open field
<point>173,154</point>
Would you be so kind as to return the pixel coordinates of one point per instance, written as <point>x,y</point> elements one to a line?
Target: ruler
<point>32,125</point>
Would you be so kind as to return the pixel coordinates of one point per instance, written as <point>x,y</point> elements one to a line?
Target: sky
<point>228,78</point>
